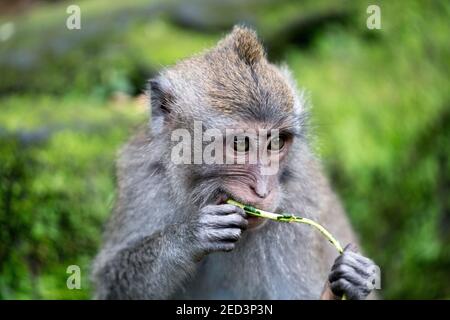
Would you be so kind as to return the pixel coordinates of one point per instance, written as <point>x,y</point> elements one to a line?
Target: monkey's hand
<point>352,274</point>
<point>217,228</point>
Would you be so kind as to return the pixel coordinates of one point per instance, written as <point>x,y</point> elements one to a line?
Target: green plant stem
<point>284,217</point>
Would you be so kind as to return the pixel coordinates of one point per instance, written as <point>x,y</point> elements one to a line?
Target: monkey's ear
<point>161,101</point>
<point>160,97</point>
<point>246,44</point>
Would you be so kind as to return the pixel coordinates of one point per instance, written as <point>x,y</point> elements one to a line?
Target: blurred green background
<point>70,98</point>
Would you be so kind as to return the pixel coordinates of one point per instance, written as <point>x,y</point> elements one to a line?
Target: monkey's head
<point>229,120</point>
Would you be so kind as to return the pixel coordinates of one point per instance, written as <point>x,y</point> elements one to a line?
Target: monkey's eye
<point>276,143</point>
<point>241,144</point>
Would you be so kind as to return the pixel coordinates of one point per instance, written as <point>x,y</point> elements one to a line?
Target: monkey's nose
<point>261,190</point>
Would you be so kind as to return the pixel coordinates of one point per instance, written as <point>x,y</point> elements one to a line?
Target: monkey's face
<point>231,87</point>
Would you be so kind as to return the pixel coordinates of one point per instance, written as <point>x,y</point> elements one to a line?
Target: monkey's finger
<point>343,286</point>
<point>360,258</point>
<point>221,209</point>
<point>231,220</point>
<point>351,261</point>
<point>221,221</point>
<point>229,234</point>
<point>357,286</point>
<point>340,286</point>
<point>218,209</point>
<point>352,250</point>
<point>351,247</point>
<point>345,257</point>
<point>239,211</point>
<point>348,273</point>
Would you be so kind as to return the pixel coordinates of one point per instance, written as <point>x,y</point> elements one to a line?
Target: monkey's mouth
<point>253,221</point>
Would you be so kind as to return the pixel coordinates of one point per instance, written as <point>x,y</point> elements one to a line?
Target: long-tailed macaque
<point>172,235</point>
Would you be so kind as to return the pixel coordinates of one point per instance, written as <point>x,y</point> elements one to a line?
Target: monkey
<point>173,236</point>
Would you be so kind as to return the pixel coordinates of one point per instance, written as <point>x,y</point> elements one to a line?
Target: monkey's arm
<point>151,267</point>
<point>154,267</point>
